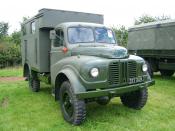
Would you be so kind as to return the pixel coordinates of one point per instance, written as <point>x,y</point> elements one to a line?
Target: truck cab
<point>85,65</point>
<point>92,54</point>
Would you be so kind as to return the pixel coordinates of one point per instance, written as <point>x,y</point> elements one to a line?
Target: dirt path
<point>13,78</point>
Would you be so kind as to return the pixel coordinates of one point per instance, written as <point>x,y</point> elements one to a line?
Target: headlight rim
<point>144,67</point>
<point>97,72</point>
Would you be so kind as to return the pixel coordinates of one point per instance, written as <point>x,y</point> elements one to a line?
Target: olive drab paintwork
<point>152,36</point>
<point>155,43</point>
<point>48,55</point>
<point>39,53</point>
<point>35,41</point>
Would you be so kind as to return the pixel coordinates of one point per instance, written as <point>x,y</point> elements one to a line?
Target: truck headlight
<point>144,67</point>
<point>94,72</point>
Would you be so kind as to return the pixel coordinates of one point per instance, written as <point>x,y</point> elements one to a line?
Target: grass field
<point>17,71</point>
<point>21,109</point>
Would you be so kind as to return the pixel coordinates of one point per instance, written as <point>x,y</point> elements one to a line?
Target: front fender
<point>73,79</point>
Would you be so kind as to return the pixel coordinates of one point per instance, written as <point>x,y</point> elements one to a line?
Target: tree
<point>163,17</point>
<point>23,20</point>
<point>122,35</point>
<point>147,19</point>
<point>3,29</point>
<point>16,37</point>
<point>23,29</point>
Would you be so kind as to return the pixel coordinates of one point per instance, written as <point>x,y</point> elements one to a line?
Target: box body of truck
<point>155,42</point>
<point>36,42</point>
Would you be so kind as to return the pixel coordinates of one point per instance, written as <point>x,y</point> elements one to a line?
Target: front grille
<point>120,72</point>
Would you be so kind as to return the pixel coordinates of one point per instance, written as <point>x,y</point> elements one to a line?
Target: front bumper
<point>113,91</point>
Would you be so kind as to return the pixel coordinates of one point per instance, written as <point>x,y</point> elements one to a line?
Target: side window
<point>33,28</point>
<point>59,38</point>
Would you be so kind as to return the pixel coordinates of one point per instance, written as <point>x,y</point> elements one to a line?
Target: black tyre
<point>73,110</point>
<point>166,72</point>
<point>136,99</point>
<point>30,81</point>
<point>103,100</point>
<point>34,83</point>
<point>150,70</point>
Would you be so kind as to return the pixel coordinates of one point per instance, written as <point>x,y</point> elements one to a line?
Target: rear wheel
<point>166,72</point>
<point>73,109</point>
<point>34,83</point>
<point>136,99</point>
<point>30,80</point>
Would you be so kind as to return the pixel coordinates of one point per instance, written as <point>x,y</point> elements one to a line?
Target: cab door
<point>58,47</point>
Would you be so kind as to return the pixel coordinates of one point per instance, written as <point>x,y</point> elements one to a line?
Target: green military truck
<point>80,58</point>
<point>155,42</point>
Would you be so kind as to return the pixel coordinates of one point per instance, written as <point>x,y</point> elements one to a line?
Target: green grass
<point>17,71</point>
<point>26,110</point>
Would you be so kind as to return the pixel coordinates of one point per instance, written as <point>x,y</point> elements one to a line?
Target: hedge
<point>10,55</point>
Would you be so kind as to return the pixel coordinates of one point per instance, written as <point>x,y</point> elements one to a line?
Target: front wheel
<point>136,99</point>
<point>73,109</point>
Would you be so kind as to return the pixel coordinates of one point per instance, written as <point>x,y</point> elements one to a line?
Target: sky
<point>116,12</point>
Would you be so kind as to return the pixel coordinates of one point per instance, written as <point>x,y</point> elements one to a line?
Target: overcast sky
<point>116,12</point>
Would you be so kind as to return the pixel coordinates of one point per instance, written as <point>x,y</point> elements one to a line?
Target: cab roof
<point>71,24</point>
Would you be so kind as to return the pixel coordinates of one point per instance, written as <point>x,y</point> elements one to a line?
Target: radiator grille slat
<point>114,73</point>
<point>132,69</point>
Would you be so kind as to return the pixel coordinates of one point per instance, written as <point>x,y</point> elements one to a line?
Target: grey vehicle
<point>155,42</point>
<point>79,57</point>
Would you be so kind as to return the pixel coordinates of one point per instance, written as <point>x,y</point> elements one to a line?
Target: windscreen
<point>103,35</point>
<point>89,35</point>
<point>80,35</point>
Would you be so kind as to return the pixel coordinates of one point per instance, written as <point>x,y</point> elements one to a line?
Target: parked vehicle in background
<point>80,58</point>
<point>155,42</point>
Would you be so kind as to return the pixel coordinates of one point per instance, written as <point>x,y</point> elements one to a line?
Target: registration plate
<point>135,80</point>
